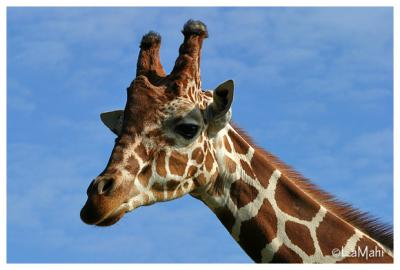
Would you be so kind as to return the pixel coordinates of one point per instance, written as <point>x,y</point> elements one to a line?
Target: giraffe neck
<point>272,218</point>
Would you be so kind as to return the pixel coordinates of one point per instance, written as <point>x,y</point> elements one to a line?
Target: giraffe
<point>174,138</point>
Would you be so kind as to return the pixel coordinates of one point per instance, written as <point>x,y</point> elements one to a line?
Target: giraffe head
<point>164,147</point>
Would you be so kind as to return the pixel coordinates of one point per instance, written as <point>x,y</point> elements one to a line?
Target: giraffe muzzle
<point>106,202</point>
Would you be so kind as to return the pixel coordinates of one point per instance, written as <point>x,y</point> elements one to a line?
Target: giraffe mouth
<point>112,218</point>
<point>89,216</point>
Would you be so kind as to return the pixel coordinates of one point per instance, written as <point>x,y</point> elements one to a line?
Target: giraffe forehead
<point>148,112</point>
<point>178,106</point>
<point>149,106</point>
<point>187,102</point>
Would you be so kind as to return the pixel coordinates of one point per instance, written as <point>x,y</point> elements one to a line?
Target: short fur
<point>382,233</point>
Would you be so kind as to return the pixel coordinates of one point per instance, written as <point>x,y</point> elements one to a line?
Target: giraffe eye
<point>187,131</point>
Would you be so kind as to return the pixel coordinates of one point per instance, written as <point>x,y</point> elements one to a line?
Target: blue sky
<point>312,85</point>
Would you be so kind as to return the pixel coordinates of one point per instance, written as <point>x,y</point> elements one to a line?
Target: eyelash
<point>187,131</point>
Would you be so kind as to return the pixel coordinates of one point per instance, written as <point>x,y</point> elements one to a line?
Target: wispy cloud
<point>313,85</point>
<point>20,97</point>
<point>46,211</point>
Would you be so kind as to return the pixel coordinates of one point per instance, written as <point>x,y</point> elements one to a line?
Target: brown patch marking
<point>226,217</point>
<point>247,169</point>
<point>242,193</point>
<point>230,164</point>
<point>177,163</point>
<point>227,145</point>
<point>333,233</point>
<point>293,201</point>
<point>185,185</point>
<point>258,231</point>
<point>160,164</point>
<point>172,185</point>
<point>261,169</point>
<point>145,175</point>
<point>132,165</point>
<point>239,144</point>
<point>209,161</point>
<point>158,191</point>
<point>141,151</point>
<point>198,155</point>
<point>376,254</point>
<point>217,187</point>
<point>286,255</point>
<point>191,171</point>
<point>200,180</point>
<point>154,133</point>
<point>300,235</point>
<point>118,153</point>
<point>158,186</point>
<point>357,218</point>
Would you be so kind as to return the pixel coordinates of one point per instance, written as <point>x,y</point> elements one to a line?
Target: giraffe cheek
<point>200,180</point>
<point>145,176</point>
<point>177,163</point>
<point>160,164</point>
<point>209,161</point>
<point>191,172</point>
<point>157,190</point>
<point>198,155</point>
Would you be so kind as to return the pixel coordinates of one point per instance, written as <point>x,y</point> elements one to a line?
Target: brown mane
<point>382,233</point>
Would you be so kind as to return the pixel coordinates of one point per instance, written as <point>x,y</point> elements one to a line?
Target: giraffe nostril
<point>106,186</point>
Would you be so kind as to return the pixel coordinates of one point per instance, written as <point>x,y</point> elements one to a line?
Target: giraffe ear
<point>218,113</point>
<point>113,120</point>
